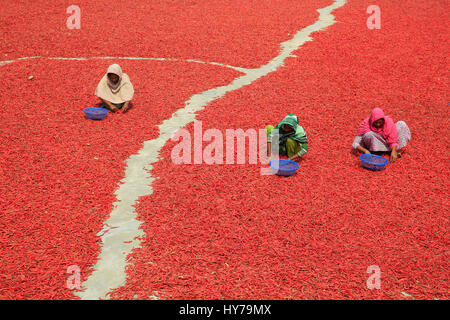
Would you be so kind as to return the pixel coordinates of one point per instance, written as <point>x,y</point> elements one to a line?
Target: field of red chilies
<point>225,231</point>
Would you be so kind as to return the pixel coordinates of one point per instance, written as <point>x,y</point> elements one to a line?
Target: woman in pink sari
<point>379,133</point>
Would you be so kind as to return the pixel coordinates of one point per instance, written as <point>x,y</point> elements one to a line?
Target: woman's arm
<point>357,145</point>
<point>394,154</point>
<point>301,153</point>
<point>110,105</point>
<point>126,106</point>
<point>362,149</point>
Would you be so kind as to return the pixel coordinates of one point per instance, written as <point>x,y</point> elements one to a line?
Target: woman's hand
<point>362,150</point>
<point>394,155</point>
<point>126,106</point>
<point>111,107</point>
<point>269,149</point>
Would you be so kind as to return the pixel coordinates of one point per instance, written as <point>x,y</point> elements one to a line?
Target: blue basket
<point>95,113</point>
<point>284,167</point>
<point>373,162</point>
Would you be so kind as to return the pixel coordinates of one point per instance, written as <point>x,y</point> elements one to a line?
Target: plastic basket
<point>284,167</point>
<point>95,113</point>
<point>373,162</point>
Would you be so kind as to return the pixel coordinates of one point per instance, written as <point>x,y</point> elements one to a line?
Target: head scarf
<point>119,92</point>
<point>297,134</point>
<point>388,131</point>
<point>117,70</point>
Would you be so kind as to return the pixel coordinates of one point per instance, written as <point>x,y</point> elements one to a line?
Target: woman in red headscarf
<point>379,133</point>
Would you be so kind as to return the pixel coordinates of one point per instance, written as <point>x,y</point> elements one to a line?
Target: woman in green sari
<point>292,138</point>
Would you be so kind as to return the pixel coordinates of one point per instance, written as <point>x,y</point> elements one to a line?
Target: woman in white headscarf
<point>115,89</point>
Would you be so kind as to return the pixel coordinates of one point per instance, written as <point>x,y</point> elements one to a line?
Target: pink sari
<point>388,131</point>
